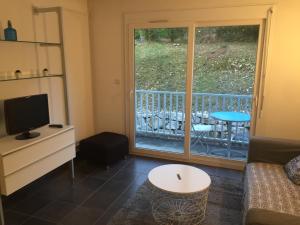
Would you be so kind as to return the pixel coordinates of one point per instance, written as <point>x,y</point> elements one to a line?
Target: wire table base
<point>178,209</point>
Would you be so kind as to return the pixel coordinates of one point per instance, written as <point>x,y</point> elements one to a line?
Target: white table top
<point>181,179</point>
<point>9,144</point>
<point>231,116</point>
<point>203,127</point>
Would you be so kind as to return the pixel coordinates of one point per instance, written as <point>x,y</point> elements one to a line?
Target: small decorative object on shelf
<point>10,33</point>
<point>45,72</point>
<point>18,74</point>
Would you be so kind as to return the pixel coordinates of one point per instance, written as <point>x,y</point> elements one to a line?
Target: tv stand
<point>22,162</point>
<point>27,135</point>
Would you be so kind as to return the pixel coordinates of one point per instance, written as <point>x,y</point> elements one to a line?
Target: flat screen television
<point>24,114</point>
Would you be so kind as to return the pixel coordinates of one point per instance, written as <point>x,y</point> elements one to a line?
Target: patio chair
<point>201,131</point>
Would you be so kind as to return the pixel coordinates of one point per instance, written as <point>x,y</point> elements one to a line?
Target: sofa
<point>270,198</point>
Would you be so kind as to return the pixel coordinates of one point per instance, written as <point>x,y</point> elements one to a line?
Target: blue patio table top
<point>231,116</point>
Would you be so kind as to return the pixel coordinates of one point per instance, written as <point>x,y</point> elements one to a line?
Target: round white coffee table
<point>180,194</point>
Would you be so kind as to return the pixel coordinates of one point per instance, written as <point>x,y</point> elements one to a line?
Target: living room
<point>90,58</point>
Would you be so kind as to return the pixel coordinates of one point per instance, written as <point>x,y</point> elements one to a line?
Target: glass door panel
<point>160,63</point>
<point>224,72</point>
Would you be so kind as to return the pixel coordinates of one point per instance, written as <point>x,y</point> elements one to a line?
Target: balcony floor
<point>203,147</point>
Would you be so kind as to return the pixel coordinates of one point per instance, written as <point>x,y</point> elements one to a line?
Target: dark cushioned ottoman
<point>105,148</point>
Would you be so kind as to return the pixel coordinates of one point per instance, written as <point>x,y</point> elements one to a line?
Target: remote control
<point>56,125</point>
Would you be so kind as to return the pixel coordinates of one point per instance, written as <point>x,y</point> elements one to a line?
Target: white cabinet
<point>23,161</point>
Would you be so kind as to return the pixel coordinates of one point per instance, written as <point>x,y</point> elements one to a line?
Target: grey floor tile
<point>36,221</point>
<point>31,204</point>
<point>118,203</point>
<point>145,165</point>
<point>55,211</point>
<point>14,218</point>
<point>106,195</point>
<point>75,195</point>
<point>90,183</point>
<point>103,173</point>
<point>82,216</point>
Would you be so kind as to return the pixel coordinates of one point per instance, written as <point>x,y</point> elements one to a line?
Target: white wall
<point>77,49</point>
<point>281,110</point>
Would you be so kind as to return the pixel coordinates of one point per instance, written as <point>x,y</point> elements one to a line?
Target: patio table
<point>229,118</point>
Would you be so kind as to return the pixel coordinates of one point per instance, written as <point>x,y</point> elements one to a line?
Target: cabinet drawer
<point>15,181</point>
<point>26,156</point>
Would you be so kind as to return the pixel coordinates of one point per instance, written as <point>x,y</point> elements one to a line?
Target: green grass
<point>227,67</point>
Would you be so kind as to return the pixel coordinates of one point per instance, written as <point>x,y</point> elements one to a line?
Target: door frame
<point>130,87</point>
<point>229,163</point>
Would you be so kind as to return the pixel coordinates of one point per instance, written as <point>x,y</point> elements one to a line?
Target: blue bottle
<point>10,33</point>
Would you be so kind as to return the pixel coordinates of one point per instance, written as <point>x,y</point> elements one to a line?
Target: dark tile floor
<point>95,196</point>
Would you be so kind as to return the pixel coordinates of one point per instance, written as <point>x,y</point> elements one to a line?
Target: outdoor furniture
<point>105,148</point>
<point>201,130</point>
<point>229,118</point>
<point>180,192</point>
<point>270,198</point>
<point>161,115</point>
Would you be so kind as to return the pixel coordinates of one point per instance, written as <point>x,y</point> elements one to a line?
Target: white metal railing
<point>162,113</point>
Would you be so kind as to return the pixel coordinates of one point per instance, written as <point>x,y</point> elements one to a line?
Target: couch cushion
<point>268,189</point>
<point>267,217</point>
<point>292,169</point>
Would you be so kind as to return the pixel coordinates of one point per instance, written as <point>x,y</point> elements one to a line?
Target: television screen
<point>26,113</point>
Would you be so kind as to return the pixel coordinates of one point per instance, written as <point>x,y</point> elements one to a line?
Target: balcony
<point>160,123</point>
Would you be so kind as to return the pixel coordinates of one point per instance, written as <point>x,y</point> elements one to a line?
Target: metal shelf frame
<point>60,44</point>
<point>58,11</point>
<point>30,77</point>
<point>33,42</point>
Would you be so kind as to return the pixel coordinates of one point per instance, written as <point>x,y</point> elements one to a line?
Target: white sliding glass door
<point>160,63</point>
<point>181,78</point>
<point>223,82</point>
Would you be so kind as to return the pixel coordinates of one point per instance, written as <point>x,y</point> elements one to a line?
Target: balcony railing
<point>162,113</point>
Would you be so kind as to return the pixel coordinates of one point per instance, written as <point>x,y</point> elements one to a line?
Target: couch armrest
<point>272,150</point>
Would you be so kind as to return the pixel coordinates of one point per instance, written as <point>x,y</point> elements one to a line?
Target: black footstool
<point>105,148</point>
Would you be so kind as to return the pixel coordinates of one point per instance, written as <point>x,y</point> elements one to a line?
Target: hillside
<point>223,67</point>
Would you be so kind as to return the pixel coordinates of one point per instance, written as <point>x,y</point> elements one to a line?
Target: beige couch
<point>270,198</point>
